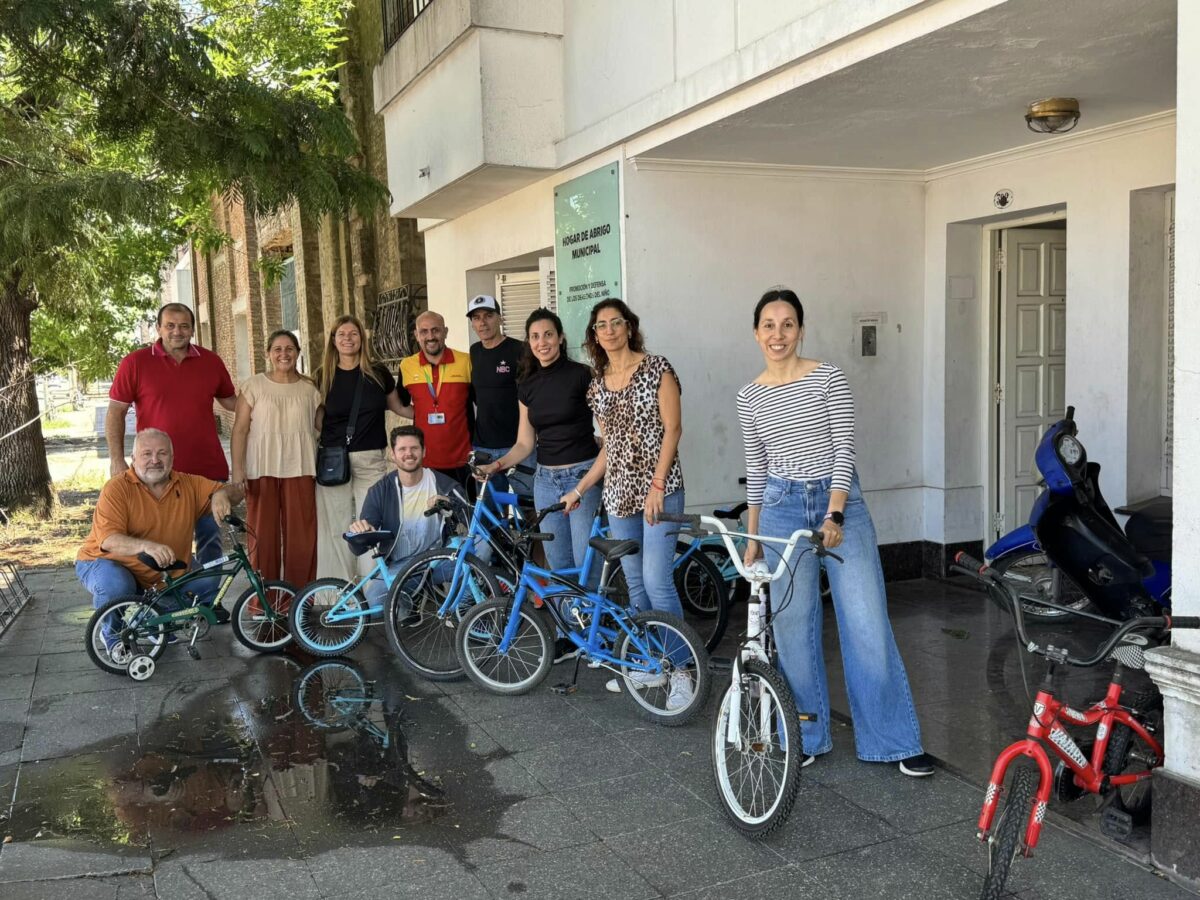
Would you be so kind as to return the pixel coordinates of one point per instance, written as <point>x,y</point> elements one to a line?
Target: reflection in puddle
<point>316,751</point>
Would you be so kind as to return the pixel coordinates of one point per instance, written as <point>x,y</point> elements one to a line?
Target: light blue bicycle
<point>330,616</point>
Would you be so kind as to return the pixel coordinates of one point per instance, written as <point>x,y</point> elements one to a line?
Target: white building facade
<point>971,278</point>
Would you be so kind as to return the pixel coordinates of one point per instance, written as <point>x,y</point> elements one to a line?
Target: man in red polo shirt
<point>438,380</point>
<point>172,385</point>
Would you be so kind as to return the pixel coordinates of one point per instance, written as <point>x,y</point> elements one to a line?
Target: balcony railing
<point>398,15</point>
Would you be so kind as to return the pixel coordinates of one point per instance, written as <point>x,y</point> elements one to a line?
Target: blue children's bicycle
<point>432,592</point>
<point>330,616</point>
<point>506,645</point>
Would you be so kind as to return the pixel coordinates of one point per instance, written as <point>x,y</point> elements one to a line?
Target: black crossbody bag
<point>333,463</point>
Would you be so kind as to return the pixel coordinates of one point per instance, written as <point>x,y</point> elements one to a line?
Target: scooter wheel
<point>141,668</point>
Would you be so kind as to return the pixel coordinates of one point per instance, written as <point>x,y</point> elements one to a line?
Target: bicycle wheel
<point>1008,832</point>
<point>1127,753</point>
<point>114,636</point>
<point>758,775</point>
<point>704,595</point>
<point>527,661</point>
<point>1033,575</point>
<point>330,693</point>
<point>681,692</point>
<point>423,640</point>
<point>308,617</point>
<point>263,627</point>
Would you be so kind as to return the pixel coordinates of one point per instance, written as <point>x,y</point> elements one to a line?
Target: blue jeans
<point>208,548</point>
<point>105,580</point>
<point>885,722</point>
<point>571,532</point>
<point>649,573</point>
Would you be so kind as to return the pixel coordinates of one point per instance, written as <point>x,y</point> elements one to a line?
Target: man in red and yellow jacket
<point>438,381</point>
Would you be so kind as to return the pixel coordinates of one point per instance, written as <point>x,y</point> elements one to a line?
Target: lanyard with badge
<point>436,417</point>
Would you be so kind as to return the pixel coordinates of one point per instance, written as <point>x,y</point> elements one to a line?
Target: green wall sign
<point>587,246</point>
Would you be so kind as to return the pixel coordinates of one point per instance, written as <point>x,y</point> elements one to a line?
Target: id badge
<point>436,418</point>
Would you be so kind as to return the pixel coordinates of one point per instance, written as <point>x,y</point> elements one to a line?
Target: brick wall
<point>342,263</point>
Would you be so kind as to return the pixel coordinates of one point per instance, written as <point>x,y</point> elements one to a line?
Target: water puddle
<point>281,760</point>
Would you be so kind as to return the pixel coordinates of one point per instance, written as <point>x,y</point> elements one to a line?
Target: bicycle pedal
<point>193,653</point>
<point>564,688</point>
<point>1116,823</point>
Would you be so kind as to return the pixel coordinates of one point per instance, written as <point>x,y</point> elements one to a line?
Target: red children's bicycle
<point>1124,749</point>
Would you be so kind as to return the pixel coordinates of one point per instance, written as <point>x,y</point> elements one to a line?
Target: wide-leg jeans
<point>885,721</point>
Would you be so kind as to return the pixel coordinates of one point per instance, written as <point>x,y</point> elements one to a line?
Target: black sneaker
<point>919,766</point>
<point>564,650</point>
<point>808,761</point>
<point>221,613</point>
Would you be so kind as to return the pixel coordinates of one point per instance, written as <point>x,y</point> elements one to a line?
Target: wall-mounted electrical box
<point>868,328</point>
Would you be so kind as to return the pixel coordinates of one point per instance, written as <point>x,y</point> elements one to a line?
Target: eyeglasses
<point>610,325</point>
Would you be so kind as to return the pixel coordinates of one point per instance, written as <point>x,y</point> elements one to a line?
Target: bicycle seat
<point>147,560</point>
<point>613,550</point>
<point>366,540</point>
<point>730,512</point>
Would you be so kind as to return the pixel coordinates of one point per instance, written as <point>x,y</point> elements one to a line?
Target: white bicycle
<point>756,747</point>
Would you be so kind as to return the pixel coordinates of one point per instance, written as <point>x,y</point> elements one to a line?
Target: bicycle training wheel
<point>263,627</point>
<point>114,635</point>
<point>704,595</point>
<point>1008,830</point>
<point>331,694</point>
<point>674,695</point>
<point>309,620</point>
<point>757,750</point>
<point>526,662</point>
<point>423,639</point>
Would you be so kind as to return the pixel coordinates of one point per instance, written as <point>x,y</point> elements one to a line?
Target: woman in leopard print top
<point>635,398</point>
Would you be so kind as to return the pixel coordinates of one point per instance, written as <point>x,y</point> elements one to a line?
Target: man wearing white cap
<point>494,385</point>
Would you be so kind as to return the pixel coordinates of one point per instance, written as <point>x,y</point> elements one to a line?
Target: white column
<point>1176,670</point>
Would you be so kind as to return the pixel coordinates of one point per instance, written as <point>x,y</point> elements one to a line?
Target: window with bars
<point>398,16</point>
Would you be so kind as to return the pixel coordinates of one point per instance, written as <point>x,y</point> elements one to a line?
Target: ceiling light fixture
<point>1054,115</point>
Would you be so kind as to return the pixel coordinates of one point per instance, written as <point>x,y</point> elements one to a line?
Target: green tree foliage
<point>119,120</point>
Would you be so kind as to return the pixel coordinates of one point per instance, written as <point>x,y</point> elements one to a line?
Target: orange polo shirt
<point>126,506</point>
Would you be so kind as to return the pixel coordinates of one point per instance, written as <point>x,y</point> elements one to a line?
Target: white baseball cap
<point>482,301</point>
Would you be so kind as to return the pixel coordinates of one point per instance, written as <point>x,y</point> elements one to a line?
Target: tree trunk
<point>24,472</point>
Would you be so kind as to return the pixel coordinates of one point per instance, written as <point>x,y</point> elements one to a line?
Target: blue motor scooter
<point>1073,552</point>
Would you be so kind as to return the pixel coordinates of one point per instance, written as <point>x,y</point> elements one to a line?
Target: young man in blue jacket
<point>397,503</point>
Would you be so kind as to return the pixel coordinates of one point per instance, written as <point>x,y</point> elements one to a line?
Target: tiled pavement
<point>209,781</point>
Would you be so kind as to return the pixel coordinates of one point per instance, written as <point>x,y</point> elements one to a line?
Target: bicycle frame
<point>757,643</point>
<point>1045,726</point>
<point>594,639</point>
<point>226,567</point>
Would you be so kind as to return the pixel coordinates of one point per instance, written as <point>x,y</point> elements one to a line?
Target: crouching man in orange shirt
<point>147,509</point>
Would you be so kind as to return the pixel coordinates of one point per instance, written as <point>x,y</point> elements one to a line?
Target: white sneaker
<point>681,691</point>
<point>640,680</point>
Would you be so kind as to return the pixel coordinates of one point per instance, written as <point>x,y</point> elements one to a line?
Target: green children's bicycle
<point>127,634</point>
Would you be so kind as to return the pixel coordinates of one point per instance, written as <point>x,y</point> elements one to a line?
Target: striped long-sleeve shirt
<point>798,431</point>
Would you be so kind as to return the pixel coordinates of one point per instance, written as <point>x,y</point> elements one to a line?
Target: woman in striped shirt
<point>797,420</point>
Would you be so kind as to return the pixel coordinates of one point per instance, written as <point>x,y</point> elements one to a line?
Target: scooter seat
<point>1150,536</point>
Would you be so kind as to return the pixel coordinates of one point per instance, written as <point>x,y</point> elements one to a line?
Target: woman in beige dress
<point>274,460</point>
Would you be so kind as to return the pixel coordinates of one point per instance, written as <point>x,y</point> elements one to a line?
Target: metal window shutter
<point>519,293</point>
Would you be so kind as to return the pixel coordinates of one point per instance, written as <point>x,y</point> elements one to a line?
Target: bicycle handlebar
<point>712,525</point>
<point>992,580</point>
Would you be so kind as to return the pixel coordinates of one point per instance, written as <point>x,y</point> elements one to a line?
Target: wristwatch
<point>836,518</point>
